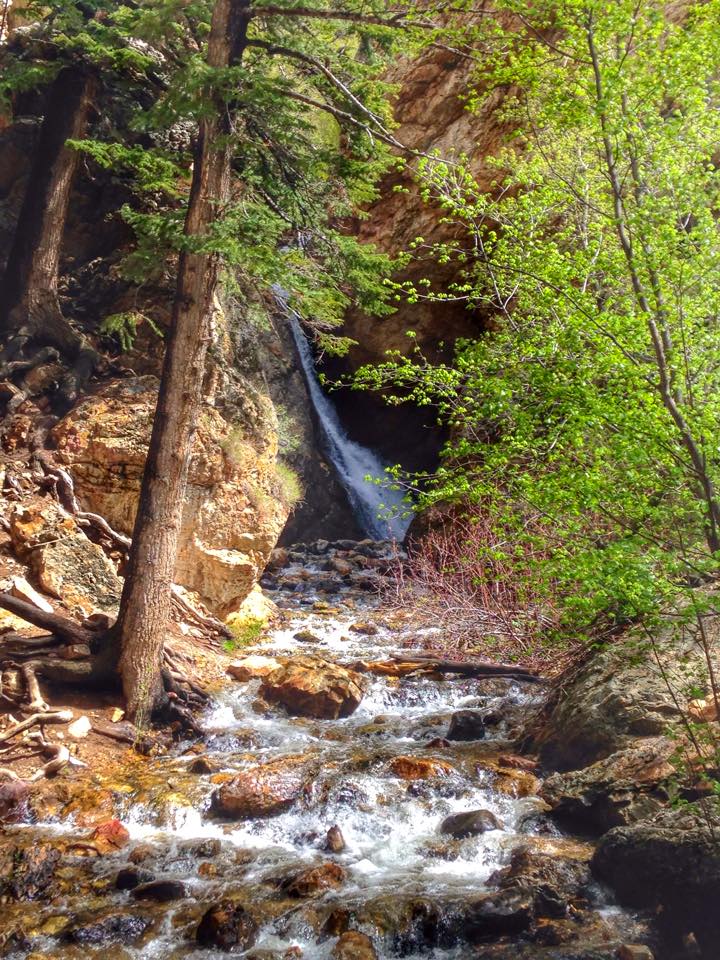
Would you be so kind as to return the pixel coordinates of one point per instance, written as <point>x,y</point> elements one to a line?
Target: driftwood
<point>421,663</point>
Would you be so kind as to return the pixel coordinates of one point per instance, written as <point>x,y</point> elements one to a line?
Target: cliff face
<point>432,116</point>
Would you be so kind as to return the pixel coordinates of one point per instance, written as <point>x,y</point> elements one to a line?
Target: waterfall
<point>352,461</point>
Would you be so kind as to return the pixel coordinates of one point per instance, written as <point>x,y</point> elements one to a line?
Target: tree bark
<point>146,599</point>
<point>29,308</point>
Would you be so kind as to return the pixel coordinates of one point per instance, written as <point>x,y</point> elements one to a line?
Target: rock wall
<point>233,511</point>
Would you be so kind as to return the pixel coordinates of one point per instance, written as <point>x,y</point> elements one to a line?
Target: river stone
<point>13,801</point>
<point>161,891</point>
<point>334,841</point>
<point>553,880</point>
<point>420,768</point>
<point>308,883</point>
<point>353,945</point>
<point>130,877</point>
<point>622,789</point>
<point>225,926</point>
<point>117,927</point>
<point>497,914</point>
<point>466,725</point>
<point>253,666</point>
<point>670,865</point>
<point>264,790</point>
<point>470,823</point>
<point>314,687</point>
<point>28,873</point>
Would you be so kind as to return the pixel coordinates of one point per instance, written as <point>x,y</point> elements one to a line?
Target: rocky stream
<point>331,811</point>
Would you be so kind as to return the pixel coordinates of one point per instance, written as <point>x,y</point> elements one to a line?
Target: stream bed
<point>360,864</point>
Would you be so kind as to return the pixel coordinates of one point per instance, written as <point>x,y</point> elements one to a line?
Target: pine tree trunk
<point>145,604</point>
<point>29,307</point>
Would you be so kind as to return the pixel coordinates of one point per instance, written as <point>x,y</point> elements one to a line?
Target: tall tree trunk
<point>145,604</point>
<point>29,308</point>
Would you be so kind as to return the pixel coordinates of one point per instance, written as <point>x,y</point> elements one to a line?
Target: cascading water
<point>380,510</point>
<point>411,889</point>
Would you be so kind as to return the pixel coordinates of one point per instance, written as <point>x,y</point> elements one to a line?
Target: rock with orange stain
<point>420,768</point>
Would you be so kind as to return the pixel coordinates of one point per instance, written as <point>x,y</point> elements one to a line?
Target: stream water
<point>415,892</point>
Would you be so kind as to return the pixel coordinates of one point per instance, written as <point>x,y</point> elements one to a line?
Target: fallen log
<point>404,665</point>
<point>60,626</point>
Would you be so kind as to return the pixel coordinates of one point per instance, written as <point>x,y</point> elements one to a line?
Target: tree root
<point>57,716</point>
<point>37,703</point>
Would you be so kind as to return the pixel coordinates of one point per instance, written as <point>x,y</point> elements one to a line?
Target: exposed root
<point>59,758</point>
<point>57,716</point>
<point>37,702</point>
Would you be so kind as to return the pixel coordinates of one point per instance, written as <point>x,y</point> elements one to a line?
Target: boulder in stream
<point>353,945</point>
<point>264,790</point>
<point>314,687</point>
<point>470,823</point>
<point>316,880</point>
<point>113,928</point>
<point>467,725</point>
<point>227,926</point>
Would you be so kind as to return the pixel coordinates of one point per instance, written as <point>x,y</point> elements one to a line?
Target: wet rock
<point>498,914</point>
<point>334,841</point>
<point>264,790</point>
<point>131,877</point>
<point>516,783</point>
<point>210,847</point>
<point>160,891</point>
<point>306,636</point>
<point>227,926</point>
<point>13,801</point>
<point>201,766</point>
<point>115,928</point>
<point>554,882</point>
<point>253,666</point>
<point>109,836</point>
<point>514,762</point>
<point>437,743</point>
<point>28,873</point>
<point>420,768</point>
<point>364,628</point>
<point>279,558</point>
<point>353,945</point>
<point>670,865</point>
<point>327,876</point>
<point>314,687</point>
<point>470,823</point>
<point>343,567</point>
<point>467,725</point>
<point>622,789</point>
<point>634,951</point>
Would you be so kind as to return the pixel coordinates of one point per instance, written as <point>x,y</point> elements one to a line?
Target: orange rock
<point>313,687</point>
<point>109,836</point>
<point>420,768</point>
<point>354,945</point>
<point>264,790</point>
